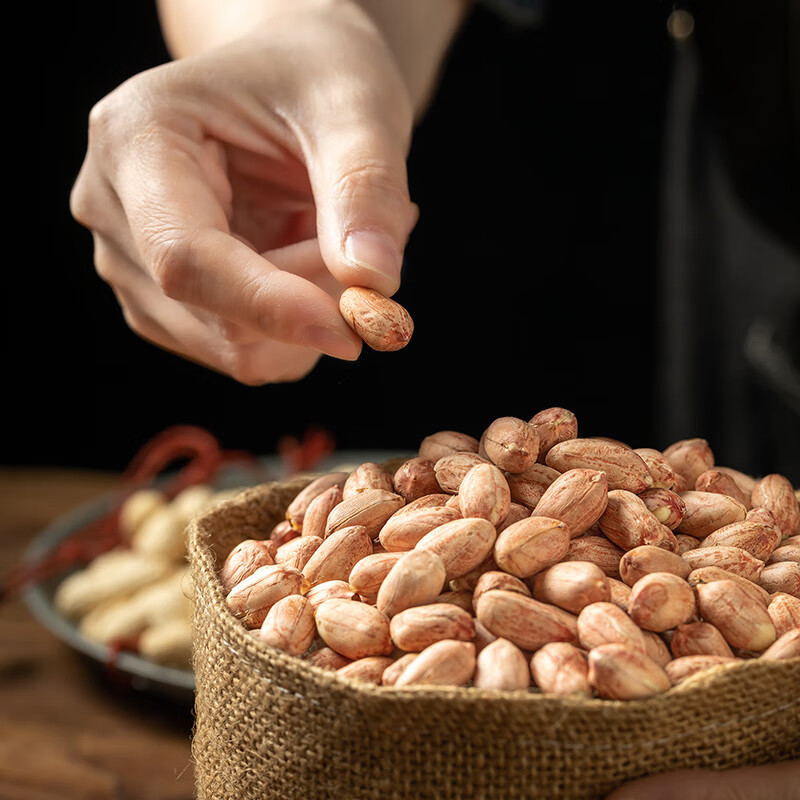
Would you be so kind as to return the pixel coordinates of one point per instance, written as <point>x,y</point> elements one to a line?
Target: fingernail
<point>330,342</point>
<point>374,251</point>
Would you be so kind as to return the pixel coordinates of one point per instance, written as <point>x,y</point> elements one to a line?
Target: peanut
<point>383,324</point>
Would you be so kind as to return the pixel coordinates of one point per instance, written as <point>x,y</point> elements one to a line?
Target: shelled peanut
<point>140,591</point>
<point>529,558</point>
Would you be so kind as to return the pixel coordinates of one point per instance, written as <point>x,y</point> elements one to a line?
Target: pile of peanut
<point>139,593</point>
<point>529,558</point>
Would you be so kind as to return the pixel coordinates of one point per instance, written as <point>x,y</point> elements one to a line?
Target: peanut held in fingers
<point>381,323</point>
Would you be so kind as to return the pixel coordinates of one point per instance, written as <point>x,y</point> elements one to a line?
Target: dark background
<point>530,276</point>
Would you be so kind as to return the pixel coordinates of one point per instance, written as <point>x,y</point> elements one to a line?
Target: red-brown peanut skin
<point>628,523</point>
<point>757,539</point>
<point>444,663</point>
<point>522,620</point>
<point>450,470</point>
<point>370,508</point>
<point>679,669</point>
<point>690,458</point>
<point>604,623</point>
<point>714,480</point>
<point>732,559</point>
<point>572,585</point>
<point>243,561</point>
<point>706,512</point>
<point>641,561</point>
<point>316,516</point>
<point>664,476</point>
<point>327,658</point>
<point>416,628</point>
<point>528,487</point>
<point>510,443</point>
<point>296,552</point>
<point>404,529</point>
<point>661,601</point>
<point>666,506</point>
<point>657,649</point>
<point>462,544</point>
<point>415,478</point>
<point>484,493</point>
<point>596,550</point>
<point>618,593</point>
<point>444,443</point>
<point>252,598</point>
<point>354,629</point>
<point>553,425</point>
<point>367,475</point>
<point>623,467</point>
<point>416,579</point>
<point>335,558</point>
<point>709,574</point>
<point>296,510</point>
<point>396,669</point>
<point>382,324</point>
<point>786,552</point>
<point>743,621</point>
<point>686,543</point>
<point>781,577</point>
<point>289,625</point>
<point>497,579</point>
<point>784,611</point>
<point>367,670</point>
<point>318,594</point>
<point>698,639</point>
<point>531,545</point>
<point>516,512</point>
<point>369,573</point>
<point>578,498</point>
<point>502,665</point>
<point>775,492</point>
<point>620,672</point>
<point>282,532</point>
<point>787,646</point>
<point>562,669</point>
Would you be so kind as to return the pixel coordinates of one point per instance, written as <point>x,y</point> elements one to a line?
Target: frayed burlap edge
<point>272,726</point>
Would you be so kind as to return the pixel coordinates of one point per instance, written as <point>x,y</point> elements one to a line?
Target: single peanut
<point>680,669</point>
<point>335,558</point>
<point>415,478</point>
<point>531,545</point>
<point>732,559</point>
<point>484,493</point>
<point>553,425</point>
<point>354,629</point>
<point>743,621</point>
<point>698,639</point>
<point>502,665</point>
<point>383,324</point>
<point>572,585</point>
<point>781,577</point>
<point>603,623</point>
<point>296,510</point>
<point>561,668</point>
<point>665,505</point>
<point>647,559</point>
<point>784,611</point>
<point>369,669</point>
<point>444,663</point>
<point>664,476</point>
<point>510,443</point>
<point>706,512</point>
<point>316,516</point>
<point>243,561</point>
<point>629,523</point>
<point>289,625</point>
<point>444,443</point>
<point>451,469</point>
<point>462,544</point>
<point>416,628</point>
<point>528,487</point>
<point>690,458</point>
<point>716,481</point>
<point>620,672</point>
<point>661,601</point>
<point>414,580</point>
<point>757,539</point>
<point>596,550</point>
<point>787,646</point>
<point>296,552</point>
<point>251,599</point>
<point>578,498</point>
<point>775,493</point>
<point>370,508</point>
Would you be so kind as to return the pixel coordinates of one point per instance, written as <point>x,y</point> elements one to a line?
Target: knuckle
<point>372,178</point>
<point>168,252</point>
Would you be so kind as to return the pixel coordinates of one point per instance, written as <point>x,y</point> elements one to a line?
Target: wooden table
<point>66,730</point>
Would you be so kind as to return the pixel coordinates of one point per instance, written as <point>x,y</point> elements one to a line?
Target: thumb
<point>769,782</point>
<point>364,213</point>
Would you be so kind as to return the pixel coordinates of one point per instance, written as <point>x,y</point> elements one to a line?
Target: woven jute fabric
<point>268,725</point>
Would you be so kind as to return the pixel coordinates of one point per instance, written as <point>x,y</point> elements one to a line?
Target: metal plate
<point>140,673</point>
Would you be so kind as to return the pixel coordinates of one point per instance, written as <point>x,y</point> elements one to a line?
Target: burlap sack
<point>272,726</point>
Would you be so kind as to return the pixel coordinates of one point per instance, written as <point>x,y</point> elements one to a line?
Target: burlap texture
<point>272,726</point>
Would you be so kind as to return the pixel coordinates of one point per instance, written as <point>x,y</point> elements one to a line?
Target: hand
<point>233,194</point>
<point>779,781</point>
